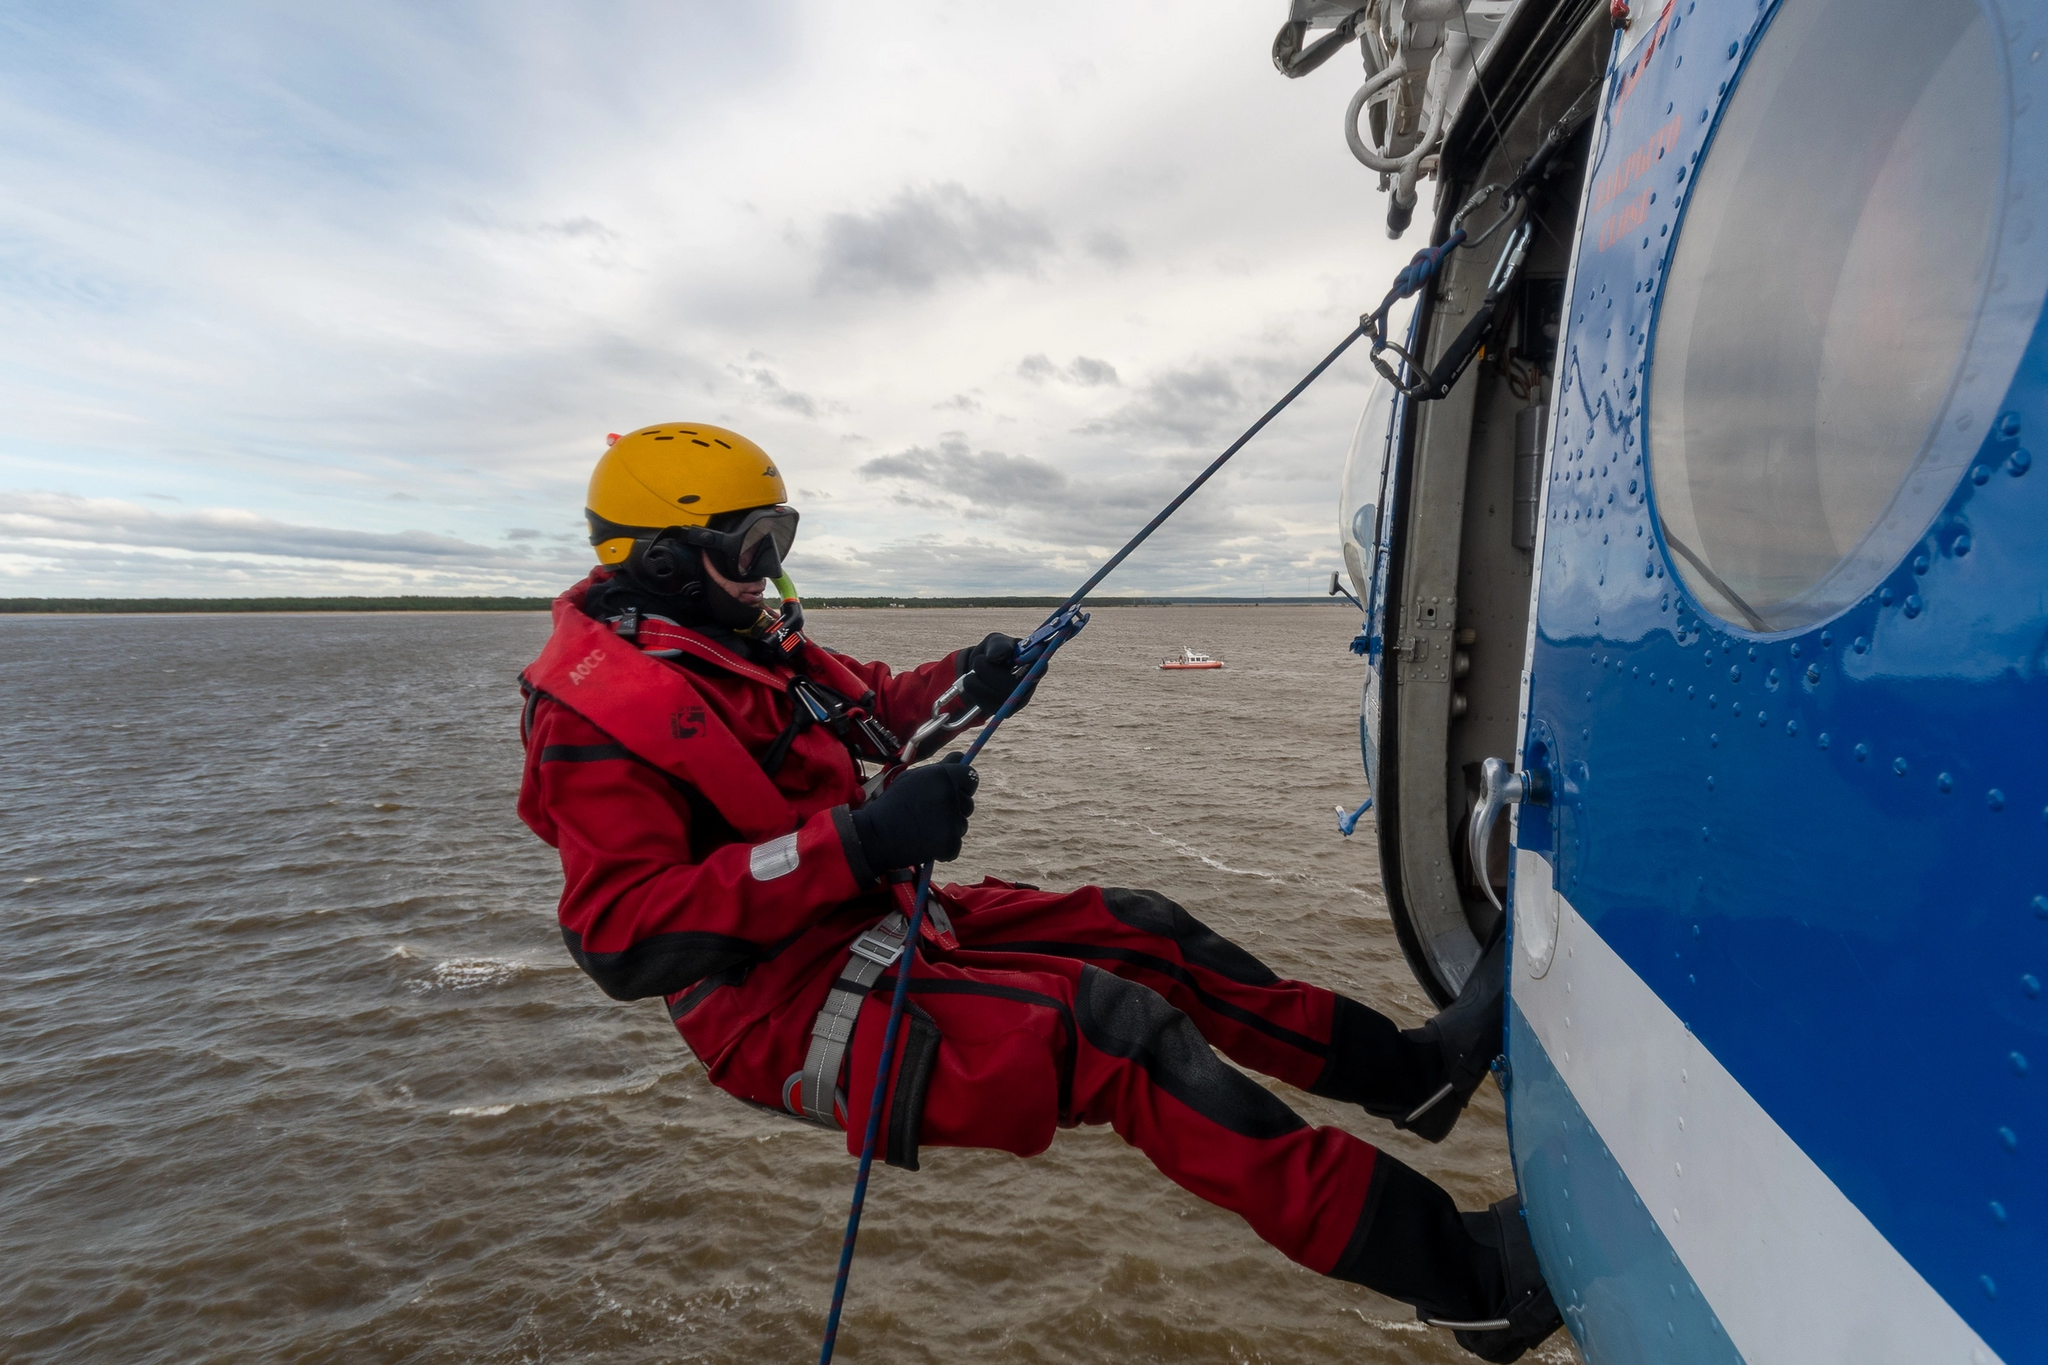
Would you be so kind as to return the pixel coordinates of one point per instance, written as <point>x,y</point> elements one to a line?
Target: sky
<point>344,299</point>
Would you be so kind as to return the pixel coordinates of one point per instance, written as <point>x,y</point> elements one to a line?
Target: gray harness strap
<point>813,1093</point>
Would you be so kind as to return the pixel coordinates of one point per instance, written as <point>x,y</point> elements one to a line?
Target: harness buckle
<point>883,944</point>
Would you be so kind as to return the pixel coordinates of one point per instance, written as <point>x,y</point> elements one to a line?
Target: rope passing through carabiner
<point>1037,651</point>
<point>1373,326</point>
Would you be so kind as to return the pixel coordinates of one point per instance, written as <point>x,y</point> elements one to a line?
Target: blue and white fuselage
<point>1775,667</point>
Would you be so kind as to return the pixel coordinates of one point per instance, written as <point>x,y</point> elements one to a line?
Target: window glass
<point>1359,498</point>
<point>1804,419</point>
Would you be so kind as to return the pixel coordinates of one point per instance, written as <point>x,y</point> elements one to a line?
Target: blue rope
<point>1413,276</point>
<point>1037,651</point>
<point>896,1002</point>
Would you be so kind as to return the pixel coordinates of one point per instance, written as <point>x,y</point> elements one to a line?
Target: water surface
<point>293,1066</point>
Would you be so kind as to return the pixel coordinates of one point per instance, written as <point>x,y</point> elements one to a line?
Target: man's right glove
<point>989,672</point>
<point>922,818</point>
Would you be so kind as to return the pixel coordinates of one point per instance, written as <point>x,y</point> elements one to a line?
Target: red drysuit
<point>1089,1006</point>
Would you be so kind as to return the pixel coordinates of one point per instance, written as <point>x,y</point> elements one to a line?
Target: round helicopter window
<point>1813,389</point>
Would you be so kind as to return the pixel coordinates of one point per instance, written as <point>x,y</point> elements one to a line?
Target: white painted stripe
<point>1795,1272</point>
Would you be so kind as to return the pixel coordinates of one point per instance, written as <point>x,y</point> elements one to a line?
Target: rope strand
<point>1061,626</point>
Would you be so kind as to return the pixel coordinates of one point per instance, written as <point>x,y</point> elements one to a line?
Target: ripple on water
<point>293,1064</point>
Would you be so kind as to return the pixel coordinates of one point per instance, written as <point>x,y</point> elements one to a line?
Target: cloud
<point>1107,246</point>
<point>923,236</point>
<point>1085,371</point>
<point>59,524</point>
<point>1050,509</point>
<point>370,323</point>
<point>985,479</point>
<point>1191,404</point>
<point>1091,373</point>
<point>779,395</point>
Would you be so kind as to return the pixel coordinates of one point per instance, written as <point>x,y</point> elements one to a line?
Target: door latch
<point>1499,787</point>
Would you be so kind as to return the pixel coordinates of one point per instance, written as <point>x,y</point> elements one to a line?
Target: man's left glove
<point>989,672</point>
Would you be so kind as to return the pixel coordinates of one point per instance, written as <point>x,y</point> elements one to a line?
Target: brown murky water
<point>293,1066</point>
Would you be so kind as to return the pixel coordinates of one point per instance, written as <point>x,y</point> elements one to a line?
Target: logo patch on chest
<point>688,723</point>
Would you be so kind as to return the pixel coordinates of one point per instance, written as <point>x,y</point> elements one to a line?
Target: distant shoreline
<point>128,606</point>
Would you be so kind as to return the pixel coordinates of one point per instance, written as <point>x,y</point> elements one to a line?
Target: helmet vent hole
<point>723,444</point>
<point>705,444</point>
<point>688,498</point>
<point>664,438</point>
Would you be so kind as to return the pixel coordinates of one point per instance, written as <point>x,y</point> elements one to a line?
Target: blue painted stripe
<point>1626,1296</point>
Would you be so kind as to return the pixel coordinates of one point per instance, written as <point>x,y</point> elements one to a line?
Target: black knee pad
<point>1124,1019</point>
<point>1199,944</point>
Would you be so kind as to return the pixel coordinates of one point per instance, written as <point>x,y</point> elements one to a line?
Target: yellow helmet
<point>674,474</point>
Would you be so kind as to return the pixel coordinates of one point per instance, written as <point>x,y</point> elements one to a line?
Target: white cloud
<point>372,284</point>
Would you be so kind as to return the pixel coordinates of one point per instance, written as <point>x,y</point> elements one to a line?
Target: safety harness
<point>619,690</point>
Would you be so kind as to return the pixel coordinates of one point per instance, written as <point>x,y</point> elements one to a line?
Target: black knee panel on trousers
<point>1124,1019</point>
<point>1412,1244</point>
<point>1200,945</point>
<point>1375,1064</point>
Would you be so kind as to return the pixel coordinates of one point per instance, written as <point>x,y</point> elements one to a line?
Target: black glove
<point>990,672</point>
<point>920,819</point>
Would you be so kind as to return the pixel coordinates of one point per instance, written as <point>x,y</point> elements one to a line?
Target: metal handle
<point>1499,787</point>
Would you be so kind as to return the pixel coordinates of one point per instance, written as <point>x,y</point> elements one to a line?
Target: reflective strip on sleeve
<point>776,858</point>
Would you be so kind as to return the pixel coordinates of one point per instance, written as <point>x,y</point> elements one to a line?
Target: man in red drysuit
<point>698,764</point>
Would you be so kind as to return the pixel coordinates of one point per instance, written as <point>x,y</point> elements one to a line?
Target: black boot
<point>1466,1035</point>
<point>1455,1268</point>
<point>1526,1314</point>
